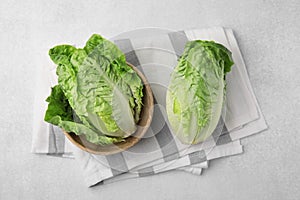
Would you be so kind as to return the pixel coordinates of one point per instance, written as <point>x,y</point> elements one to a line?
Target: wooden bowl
<point>143,125</point>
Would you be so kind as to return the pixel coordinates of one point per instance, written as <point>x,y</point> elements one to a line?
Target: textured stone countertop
<point>268,34</point>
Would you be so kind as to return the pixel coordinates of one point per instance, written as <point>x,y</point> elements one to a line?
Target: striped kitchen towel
<point>156,55</point>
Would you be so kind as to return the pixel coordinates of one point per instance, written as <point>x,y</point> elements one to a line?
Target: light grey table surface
<point>268,34</point>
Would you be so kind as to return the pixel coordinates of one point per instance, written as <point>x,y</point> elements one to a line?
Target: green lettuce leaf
<point>60,113</point>
<point>196,90</point>
<point>101,88</point>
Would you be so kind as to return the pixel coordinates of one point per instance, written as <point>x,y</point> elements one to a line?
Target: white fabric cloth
<point>156,55</point>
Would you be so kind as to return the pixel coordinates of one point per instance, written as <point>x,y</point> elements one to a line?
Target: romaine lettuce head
<point>196,91</point>
<point>104,92</point>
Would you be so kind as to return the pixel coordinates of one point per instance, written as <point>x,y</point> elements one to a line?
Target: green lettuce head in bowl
<point>103,104</point>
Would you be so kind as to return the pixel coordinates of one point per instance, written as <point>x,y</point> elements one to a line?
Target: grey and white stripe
<point>56,141</point>
<point>131,57</point>
<point>178,40</point>
<point>117,163</point>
